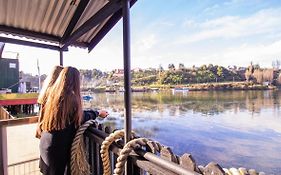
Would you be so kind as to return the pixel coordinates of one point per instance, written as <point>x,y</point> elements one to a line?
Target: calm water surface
<point>234,129</point>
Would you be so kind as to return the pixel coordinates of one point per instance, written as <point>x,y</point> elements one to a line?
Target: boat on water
<point>87,97</point>
<point>180,89</point>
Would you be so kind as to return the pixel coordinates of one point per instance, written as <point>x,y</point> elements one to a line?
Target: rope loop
<point>117,134</point>
<point>124,153</point>
<point>78,160</point>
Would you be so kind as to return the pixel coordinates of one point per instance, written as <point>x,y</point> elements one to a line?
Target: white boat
<point>180,89</point>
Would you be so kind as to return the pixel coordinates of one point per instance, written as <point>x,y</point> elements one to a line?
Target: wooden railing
<point>29,167</point>
<point>4,115</point>
<point>141,161</point>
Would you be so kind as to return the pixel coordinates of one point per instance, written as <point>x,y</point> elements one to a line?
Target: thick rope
<point>104,149</point>
<point>78,163</point>
<point>127,149</point>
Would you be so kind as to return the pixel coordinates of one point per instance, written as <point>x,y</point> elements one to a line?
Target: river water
<point>234,128</point>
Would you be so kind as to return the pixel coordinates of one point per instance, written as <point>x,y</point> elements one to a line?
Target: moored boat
<point>180,89</point>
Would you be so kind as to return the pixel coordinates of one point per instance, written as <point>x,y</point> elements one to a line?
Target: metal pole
<point>127,69</point>
<point>127,75</point>
<point>61,57</point>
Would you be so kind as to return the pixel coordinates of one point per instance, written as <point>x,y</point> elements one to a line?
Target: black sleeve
<point>89,114</point>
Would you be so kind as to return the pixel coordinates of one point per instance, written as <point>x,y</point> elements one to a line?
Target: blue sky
<point>192,32</point>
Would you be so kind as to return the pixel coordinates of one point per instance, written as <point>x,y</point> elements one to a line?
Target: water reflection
<point>239,128</point>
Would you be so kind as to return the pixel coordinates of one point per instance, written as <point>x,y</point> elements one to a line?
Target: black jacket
<point>55,148</point>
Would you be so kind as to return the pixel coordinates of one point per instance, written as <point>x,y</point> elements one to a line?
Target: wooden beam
<point>107,27</point>
<point>78,12</point>
<point>27,33</point>
<point>29,43</point>
<point>3,151</point>
<point>18,102</point>
<point>20,121</point>
<point>110,8</point>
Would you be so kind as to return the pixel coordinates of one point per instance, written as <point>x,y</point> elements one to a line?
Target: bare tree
<point>276,64</point>
<point>258,75</point>
<point>268,75</point>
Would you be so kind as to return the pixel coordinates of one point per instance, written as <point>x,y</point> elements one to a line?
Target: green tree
<point>220,71</point>
<point>171,67</point>
<point>181,66</point>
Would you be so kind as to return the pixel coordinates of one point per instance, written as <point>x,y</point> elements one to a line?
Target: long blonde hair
<point>49,81</point>
<point>63,106</point>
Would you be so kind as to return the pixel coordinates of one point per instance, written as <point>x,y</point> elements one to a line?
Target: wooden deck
<point>22,150</point>
<point>19,149</point>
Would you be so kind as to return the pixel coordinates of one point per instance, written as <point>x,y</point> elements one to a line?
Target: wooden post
<point>61,57</point>
<point>3,151</point>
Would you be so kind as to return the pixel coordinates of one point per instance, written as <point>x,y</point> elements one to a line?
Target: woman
<point>42,98</point>
<point>61,118</point>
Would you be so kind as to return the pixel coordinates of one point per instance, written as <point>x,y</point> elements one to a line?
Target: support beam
<point>127,78</point>
<point>110,8</point>
<point>31,34</point>
<point>127,69</point>
<point>107,27</point>
<point>28,43</point>
<point>61,57</point>
<point>78,12</point>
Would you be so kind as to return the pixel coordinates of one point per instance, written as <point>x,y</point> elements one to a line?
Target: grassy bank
<point>222,86</point>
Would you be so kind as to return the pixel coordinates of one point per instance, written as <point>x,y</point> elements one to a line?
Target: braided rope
<point>241,171</point>
<point>154,146</point>
<point>131,145</point>
<point>104,149</point>
<point>78,163</point>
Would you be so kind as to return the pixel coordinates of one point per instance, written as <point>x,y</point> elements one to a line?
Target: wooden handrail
<point>20,121</point>
<point>145,160</point>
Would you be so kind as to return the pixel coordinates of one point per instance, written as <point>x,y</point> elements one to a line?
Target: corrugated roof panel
<point>2,10</point>
<point>66,20</point>
<point>57,12</point>
<point>62,16</point>
<point>47,16</point>
<point>42,8</point>
<point>93,7</point>
<point>17,13</point>
<point>90,35</point>
<point>47,20</point>
<point>10,13</point>
<point>24,14</point>
<point>31,14</point>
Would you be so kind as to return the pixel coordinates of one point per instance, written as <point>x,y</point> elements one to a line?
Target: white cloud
<point>229,27</point>
<point>260,53</point>
<point>189,24</point>
<point>146,42</point>
<point>211,9</point>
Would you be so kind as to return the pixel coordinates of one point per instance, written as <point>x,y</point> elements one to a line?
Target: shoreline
<point>221,86</point>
